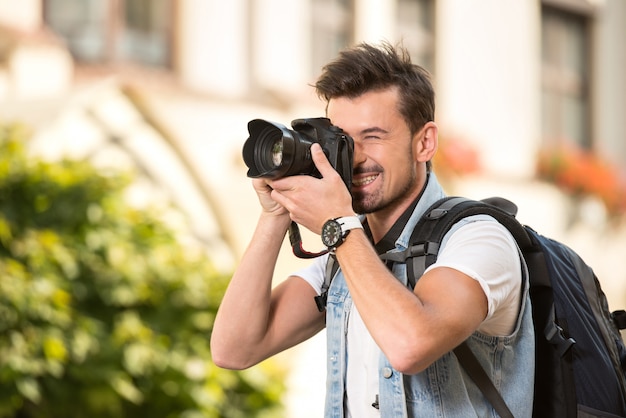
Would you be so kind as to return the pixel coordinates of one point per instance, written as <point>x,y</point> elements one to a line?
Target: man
<point>388,346</point>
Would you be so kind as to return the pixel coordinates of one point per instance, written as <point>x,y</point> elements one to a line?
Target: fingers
<point>321,162</point>
<point>260,185</point>
<point>264,193</point>
<point>309,200</point>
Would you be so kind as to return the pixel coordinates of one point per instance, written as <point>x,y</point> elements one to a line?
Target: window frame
<point>567,83</point>
<point>112,28</point>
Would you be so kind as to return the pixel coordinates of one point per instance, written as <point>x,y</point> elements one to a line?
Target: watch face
<point>331,233</point>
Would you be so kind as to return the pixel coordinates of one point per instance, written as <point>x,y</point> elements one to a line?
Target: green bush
<point>103,312</point>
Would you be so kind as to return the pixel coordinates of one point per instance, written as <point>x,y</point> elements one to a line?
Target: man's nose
<point>359,154</point>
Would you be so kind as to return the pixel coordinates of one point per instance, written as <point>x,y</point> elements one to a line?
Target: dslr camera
<point>274,151</point>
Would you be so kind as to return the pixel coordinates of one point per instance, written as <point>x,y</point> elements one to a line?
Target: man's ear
<point>426,142</point>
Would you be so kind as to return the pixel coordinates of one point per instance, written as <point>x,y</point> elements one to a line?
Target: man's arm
<point>413,329</point>
<point>255,322</point>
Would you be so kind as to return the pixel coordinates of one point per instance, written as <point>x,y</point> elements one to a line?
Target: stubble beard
<point>364,203</point>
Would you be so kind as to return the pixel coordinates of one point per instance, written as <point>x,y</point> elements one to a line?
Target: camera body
<point>274,151</point>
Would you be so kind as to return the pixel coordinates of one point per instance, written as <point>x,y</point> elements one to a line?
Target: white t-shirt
<point>483,250</point>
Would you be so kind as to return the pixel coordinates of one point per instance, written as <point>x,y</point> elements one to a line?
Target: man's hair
<point>366,67</point>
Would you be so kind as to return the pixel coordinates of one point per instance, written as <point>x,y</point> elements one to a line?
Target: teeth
<point>365,180</point>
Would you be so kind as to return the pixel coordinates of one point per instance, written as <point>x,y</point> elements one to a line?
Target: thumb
<point>321,162</point>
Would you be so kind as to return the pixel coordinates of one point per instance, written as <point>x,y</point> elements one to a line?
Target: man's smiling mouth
<point>364,180</point>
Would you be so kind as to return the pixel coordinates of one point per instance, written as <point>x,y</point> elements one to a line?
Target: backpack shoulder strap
<point>442,215</point>
<point>478,375</point>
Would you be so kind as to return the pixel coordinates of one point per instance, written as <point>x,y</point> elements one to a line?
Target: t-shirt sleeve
<point>314,273</point>
<point>488,253</point>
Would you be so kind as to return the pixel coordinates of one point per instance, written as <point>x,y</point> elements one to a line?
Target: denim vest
<point>442,390</point>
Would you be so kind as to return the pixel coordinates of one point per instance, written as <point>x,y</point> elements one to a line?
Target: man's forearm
<point>242,319</point>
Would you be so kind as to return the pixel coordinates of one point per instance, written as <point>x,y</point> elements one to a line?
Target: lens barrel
<point>272,150</point>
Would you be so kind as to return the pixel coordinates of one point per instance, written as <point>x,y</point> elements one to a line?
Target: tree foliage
<point>103,311</point>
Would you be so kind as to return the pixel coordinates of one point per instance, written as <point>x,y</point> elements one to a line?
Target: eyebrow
<point>373,129</point>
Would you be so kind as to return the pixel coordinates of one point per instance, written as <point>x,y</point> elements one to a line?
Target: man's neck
<point>380,222</point>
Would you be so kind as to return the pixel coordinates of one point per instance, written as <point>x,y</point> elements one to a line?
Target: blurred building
<point>168,86</point>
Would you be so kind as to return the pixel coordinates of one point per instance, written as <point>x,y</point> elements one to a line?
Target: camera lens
<point>271,153</point>
<point>268,150</point>
<point>277,152</point>
<point>274,151</point>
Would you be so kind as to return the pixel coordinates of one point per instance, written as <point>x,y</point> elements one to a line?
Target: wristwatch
<point>334,231</point>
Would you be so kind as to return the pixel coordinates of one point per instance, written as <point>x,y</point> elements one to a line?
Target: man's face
<point>385,174</point>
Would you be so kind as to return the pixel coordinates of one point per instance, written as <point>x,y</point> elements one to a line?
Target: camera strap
<point>295,239</point>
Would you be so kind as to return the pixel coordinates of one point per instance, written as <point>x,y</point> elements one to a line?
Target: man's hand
<point>263,190</point>
<point>312,201</point>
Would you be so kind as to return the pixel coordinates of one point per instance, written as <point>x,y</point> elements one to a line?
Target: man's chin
<point>361,206</point>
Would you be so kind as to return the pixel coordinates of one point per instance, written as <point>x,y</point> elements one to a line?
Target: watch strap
<point>349,222</point>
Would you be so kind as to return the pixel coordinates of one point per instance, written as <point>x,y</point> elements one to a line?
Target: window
<point>565,77</point>
<point>416,28</point>
<point>109,31</point>
<point>333,29</point>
